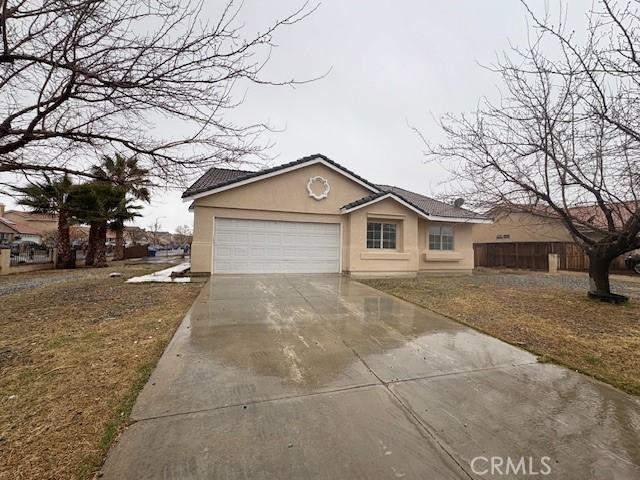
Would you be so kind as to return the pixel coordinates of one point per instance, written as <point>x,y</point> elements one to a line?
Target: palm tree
<point>102,204</point>
<point>53,197</point>
<point>124,212</point>
<point>127,174</point>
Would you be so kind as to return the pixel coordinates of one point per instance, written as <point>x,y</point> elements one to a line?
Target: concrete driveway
<point>318,376</point>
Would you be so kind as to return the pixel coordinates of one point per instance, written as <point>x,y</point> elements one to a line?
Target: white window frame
<point>381,246</point>
<point>453,238</point>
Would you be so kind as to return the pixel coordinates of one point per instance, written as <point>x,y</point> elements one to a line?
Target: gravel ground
<point>629,287</point>
<point>22,281</point>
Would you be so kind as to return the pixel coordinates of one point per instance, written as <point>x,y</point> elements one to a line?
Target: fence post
<point>553,262</point>
<point>5,261</point>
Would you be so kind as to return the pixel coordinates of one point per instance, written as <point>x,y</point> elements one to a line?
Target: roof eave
<point>254,178</point>
<point>419,211</point>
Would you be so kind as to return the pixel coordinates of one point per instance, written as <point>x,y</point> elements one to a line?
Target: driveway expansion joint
<point>255,402</point>
<point>413,418</point>
<point>233,404</point>
<point>461,372</point>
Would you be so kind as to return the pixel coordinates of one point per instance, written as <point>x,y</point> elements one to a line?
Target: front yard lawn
<point>558,323</point>
<point>75,349</point>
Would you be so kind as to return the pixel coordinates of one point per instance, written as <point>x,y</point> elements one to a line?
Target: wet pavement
<point>301,376</point>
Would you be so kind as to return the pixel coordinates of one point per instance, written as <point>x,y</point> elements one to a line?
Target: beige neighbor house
<point>515,238</point>
<point>14,227</point>
<point>509,226</point>
<point>315,216</point>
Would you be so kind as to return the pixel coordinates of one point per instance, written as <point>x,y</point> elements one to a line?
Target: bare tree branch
<point>80,78</point>
<point>564,138</point>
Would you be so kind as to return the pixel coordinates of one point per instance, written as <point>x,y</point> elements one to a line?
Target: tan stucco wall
<point>288,193</point>
<point>460,259</point>
<point>403,259</point>
<point>285,198</point>
<point>521,227</point>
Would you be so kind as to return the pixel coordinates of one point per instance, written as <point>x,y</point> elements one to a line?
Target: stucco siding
<point>521,227</point>
<point>288,193</point>
<point>285,198</point>
<point>460,259</point>
<point>402,259</point>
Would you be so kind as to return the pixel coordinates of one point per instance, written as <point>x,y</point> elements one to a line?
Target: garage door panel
<point>262,246</point>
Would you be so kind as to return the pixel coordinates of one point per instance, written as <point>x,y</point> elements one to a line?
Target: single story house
<point>519,226</point>
<point>13,228</point>
<point>315,216</point>
<point>41,223</point>
<point>526,225</point>
<point>518,238</point>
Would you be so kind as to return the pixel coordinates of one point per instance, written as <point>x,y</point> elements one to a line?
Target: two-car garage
<point>267,246</point>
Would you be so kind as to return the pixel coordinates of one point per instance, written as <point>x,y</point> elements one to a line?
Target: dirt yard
<point>548,315</point>
<point>75,349</point>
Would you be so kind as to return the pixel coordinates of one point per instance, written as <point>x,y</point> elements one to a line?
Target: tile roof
<point>215,177</point>
<point>589,215</point>
<point>20,227</point>
<point>426,205</point>
<point>9,224</point>
<point>32,216</point>
<point>364,200</point>
<point>220,177</point>
<point>431,206</point>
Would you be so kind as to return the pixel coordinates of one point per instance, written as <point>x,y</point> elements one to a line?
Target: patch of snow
<point>164,276</point>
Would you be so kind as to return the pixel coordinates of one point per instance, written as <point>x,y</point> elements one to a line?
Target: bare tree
<point>564,134</point>
<point>86,77</point>
<point>154,228</point>
<point>183,234</point>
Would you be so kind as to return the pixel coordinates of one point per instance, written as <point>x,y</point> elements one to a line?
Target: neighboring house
<point>509,226</point>
<point>160,238</point>
<point>543,226</point>
<point>519,239</point>
<point>314,215</point>
<point>41,223</point>
<point>135,235</point>
<point>12,229</point>
<point>79,234</point>
<point>43,228</point>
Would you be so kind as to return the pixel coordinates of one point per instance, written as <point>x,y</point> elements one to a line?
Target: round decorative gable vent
<point>318,188</point>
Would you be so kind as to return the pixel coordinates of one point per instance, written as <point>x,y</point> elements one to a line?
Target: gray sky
<point>392,63</point>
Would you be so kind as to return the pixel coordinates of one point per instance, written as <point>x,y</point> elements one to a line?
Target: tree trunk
<point>101,249</point>
<point>91,244</point>
<point>118,253</point>
<point>65,258</point>
<point>599,273</point>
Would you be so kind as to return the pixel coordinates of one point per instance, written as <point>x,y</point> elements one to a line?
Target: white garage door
<point>261,246</point>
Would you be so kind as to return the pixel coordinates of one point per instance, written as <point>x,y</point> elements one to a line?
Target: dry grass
<point>559,325</point>
<point>73,356</point>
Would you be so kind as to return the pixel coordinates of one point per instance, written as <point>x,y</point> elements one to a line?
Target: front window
<point>441,237</point>
<point>381,235</point>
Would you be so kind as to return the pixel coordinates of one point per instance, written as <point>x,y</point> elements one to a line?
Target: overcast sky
<point>392,64</point>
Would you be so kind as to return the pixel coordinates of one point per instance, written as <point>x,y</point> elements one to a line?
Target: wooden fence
<point>535,256</point>
<point>136,251</point>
